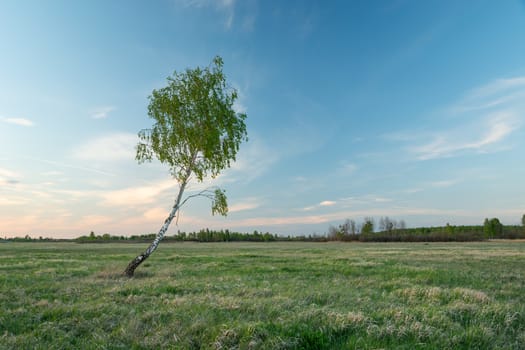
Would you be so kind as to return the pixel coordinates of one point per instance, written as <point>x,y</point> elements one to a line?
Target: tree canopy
<point>196,132</point>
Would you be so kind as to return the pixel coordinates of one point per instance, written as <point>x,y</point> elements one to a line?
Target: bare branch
<point>208,193</point>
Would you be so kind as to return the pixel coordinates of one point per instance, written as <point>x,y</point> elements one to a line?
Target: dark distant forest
<point>385,230</point>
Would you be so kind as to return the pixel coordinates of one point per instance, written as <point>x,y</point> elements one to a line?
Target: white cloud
<point>381,200</point>
<point>18,121</point>
<point>102,112</point>
<point>325,203</point>
<point>157,214</point>
<point>113,147</point>
<point>499,127</point>
<point>468,137</point>
<point>365,199</point>
<point>70,166</point>
<point>479,122</point>
<point>481,97</point>
<point>444,183</point>
<point>239,107</point>
<point>8,173</point>
<point>239,104</point>
<point>137,195</point>
<point>247,204</point>
<point>11,201</point>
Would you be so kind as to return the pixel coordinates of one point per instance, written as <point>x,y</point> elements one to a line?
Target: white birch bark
<point>130,269</point>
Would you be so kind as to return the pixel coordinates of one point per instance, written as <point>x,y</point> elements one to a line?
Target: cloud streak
<point>113,147</point>
<point>485,118</point>
<point>244,205</point>
<point>444,183</point>
<point>18,121</point>
<point>102,112</point>
<point>7,173</point>
<point>322,204</point>
<point>70,166</point>
<point>137,195</point>
<point>459,141</point>
<point>494,93</point>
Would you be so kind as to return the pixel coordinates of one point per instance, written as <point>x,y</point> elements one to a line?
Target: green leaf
<point>219,203</point>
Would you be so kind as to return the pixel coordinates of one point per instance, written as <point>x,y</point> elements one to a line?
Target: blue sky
<point>409,109</point>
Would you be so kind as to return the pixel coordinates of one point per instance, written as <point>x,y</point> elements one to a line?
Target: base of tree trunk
<point>130,270</point>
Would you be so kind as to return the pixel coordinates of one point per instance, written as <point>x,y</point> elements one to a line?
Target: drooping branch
<point>210,193</point>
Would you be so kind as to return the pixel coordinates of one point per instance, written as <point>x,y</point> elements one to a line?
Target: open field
<point>264,296</point>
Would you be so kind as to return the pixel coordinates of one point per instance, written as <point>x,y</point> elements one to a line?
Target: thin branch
<point>208,193</point>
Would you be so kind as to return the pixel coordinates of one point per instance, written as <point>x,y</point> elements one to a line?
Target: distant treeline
<point>447,233</point>
<point>392,231</point>
<point>388,230</point>
<point>28,238</point>
<point>204,235</point>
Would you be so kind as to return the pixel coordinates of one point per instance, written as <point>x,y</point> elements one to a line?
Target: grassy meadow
<point>264,296</point>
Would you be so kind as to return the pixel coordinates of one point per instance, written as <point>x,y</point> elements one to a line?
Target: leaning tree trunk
<point>130,270</point>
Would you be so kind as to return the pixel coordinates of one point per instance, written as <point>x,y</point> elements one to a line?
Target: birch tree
<point>196,133</point>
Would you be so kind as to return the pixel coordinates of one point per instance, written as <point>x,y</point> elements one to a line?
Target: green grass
<point>264,296</point>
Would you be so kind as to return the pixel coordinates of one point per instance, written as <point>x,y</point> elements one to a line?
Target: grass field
<point>264,296</point>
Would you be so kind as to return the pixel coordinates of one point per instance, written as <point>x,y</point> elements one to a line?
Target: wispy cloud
<point>480,122</point>
<point>71,166</point>
<point>226,7</point>
<point>325,203</point>
<point>137,195</point>
<point>18,121</point>
<point>444,183</point>
<point>113,147</point>
<point>8,173</point>
<point>245,204</point>
<point>102,112</point>
<point>239,105</point>
<point>363,200</point>
<point>468,137</point>
<point>11,201</point>
<point>494,93</point>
